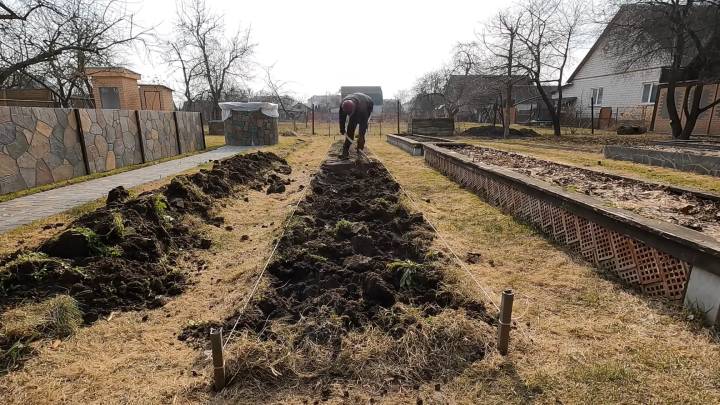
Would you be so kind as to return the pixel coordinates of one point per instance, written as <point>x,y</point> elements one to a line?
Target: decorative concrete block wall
<point>111,139</point>
<point>46,145</point>
<point>191,131</point>
<point>250,128</point>
<point>38,146</point>
<point>158,129</point>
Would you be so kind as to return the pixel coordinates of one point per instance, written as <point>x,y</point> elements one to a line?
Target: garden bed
<point>691,157</point>
<point>656,257</point>
<point>693,210</point>
<point>355,298</point>
<point>413,144</point>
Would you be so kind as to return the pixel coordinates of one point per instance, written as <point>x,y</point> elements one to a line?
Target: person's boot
<point>345,154</point>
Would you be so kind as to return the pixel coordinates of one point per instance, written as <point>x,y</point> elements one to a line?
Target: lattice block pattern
<point>603,243</point>
<point>675,274</point>
<point>572,231</point>
<point>623,252</point>
<point>558,224</point>
<point>653,272</point>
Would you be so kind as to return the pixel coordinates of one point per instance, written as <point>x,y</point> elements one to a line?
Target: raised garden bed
<point>691,157</point>
<point>658,258</point>
<point>413,144</point>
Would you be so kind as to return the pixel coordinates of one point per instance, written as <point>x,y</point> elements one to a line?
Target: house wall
<point>621,91</point>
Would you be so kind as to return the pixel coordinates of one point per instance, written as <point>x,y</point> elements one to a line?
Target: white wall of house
<point>623,90</point>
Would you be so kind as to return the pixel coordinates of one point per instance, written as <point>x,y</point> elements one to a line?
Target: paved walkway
<point>24,210</point>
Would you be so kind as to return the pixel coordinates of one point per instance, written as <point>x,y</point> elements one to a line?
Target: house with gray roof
<point>375,92</point>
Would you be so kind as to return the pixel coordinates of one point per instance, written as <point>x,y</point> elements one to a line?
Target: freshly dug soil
<point>355,265</point>
<point>489,131</point>
<point>646,199</point>
<point>122,256</point>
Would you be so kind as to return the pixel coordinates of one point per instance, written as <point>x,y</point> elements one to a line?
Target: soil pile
<point>649,200</point>
<point>122,256</point>
<point>497,132</point>
<point>355,295</point>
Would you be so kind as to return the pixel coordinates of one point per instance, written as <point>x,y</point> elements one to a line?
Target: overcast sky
<point>319,46</point>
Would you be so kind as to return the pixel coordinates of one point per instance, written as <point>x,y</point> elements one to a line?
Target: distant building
<point>480,98</point>
<point>375,92</point>
<point>118,88</point>
<point>324,102</point>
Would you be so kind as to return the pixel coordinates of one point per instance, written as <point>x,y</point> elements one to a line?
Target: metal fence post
<point>313,118</point>
<point>177,133</point>
<point>140,136</point>
<point>81,139</point>
<point>504,321</point>
<point>592,115</point>
<point>398,116</point>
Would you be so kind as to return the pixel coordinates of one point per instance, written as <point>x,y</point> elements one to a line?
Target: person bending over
<point>358,106</point>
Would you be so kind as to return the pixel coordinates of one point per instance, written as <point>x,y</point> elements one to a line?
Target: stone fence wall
<point>251,128</point>
<point>46,145</point>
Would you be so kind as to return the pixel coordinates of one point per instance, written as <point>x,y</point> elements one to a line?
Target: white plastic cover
<point>269,109</point>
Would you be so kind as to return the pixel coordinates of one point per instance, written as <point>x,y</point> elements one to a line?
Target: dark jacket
<point>363,109</point>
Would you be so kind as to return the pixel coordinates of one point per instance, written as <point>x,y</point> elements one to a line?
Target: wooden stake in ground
<point>504,321</point>
<point>218,359</point>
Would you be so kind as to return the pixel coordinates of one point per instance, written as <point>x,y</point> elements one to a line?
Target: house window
<point>109,98</point>
<point>649,93</point>
<point>597,95</point>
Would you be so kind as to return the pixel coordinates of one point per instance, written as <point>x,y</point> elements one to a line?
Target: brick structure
<point>118,89</point>
<point>708,123</point>
<point>156,97</point>
<point>656,258</point>
<point>115,88</point>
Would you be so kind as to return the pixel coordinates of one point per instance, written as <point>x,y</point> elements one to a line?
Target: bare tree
<point>51,39</point>
<point>501,39</point>
<point>279,92</point>
<point>179,55</point>
<point>682,34</point>
<point>20,10</point>
<point>549,32</point>
<point>223,59</point>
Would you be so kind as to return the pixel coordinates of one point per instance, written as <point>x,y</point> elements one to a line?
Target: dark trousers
<point>352,124</point>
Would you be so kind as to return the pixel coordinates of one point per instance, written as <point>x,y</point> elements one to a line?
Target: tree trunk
<point>693,113</point>
<point>670,104</point>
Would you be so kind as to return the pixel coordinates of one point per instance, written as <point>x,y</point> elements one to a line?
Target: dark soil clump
<point>122,256</point>
<point>354,262</point>
<point>489,131</point>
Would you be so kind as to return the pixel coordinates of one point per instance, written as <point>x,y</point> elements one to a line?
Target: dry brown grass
<point>581,338</point>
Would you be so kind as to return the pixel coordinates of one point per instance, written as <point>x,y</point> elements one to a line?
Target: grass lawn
<point>580,338</point>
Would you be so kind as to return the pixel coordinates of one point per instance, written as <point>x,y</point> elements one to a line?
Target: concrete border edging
<point>687,162</point>
<point>412,147</point>
<point>654,257</point>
